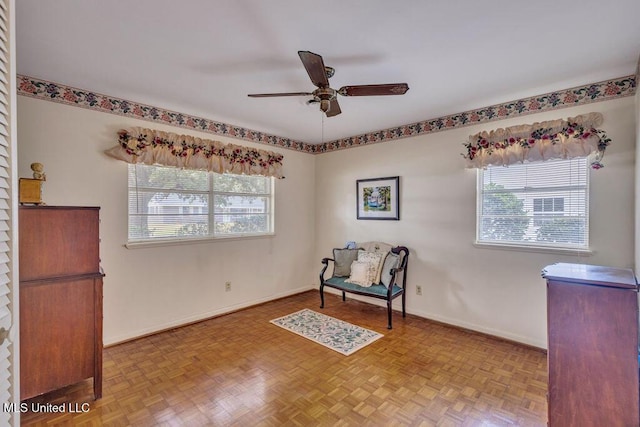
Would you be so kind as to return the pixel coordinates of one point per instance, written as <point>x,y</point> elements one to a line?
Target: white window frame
<point>529,245</point>
<point>211,215</point>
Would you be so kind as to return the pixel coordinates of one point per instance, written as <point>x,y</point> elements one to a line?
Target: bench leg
<point>321,295</point>
<point>389,313</point>
<point>404,312</point>
<point>344,298</point>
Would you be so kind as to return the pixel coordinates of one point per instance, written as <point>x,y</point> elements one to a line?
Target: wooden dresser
<point>593,346</point>
<point>60,298</point>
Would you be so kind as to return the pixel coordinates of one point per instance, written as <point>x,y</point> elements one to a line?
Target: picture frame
<point>378,198</point>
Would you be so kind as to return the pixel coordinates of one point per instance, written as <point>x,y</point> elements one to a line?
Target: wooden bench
<point>396,288</point>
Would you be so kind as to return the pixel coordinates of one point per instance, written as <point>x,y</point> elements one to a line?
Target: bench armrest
<point>325,261</point>
<point>397,270</point>
<point>394,274</point>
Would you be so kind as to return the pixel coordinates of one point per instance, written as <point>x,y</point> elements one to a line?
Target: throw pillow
<point>343,260</point>
<point>380,265</point>
<point>392,261</point>
<point>376,246</point>
<point>360,274</point>
<point>375,259</point>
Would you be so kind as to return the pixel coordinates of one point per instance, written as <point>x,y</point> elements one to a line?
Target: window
<point>168,203</point>
<point>542,204</point>
<point>546,207</point>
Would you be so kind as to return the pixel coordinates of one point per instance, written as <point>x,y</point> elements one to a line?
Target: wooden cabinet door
<point>592,356</point>
<point>57,334</point>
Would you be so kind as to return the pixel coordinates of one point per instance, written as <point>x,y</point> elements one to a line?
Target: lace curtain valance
<point>152,147</point>
<point>555,139</point>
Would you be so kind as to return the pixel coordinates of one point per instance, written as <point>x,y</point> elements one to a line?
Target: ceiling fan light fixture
<point>324,94</point>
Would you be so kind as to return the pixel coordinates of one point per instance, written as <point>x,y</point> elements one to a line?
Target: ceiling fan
<point>325,95</point>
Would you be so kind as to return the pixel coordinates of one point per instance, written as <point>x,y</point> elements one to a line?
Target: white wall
<point>151,289</point>
<point>491,290</point>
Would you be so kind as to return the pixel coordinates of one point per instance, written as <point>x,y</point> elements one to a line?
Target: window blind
<point>172,203</point>
<point>535,204</point>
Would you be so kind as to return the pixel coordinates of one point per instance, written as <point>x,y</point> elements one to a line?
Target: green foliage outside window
<point>504,215</point>
<point>167,202</point>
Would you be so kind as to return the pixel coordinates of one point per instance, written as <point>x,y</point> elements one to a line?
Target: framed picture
<point>378,198</point>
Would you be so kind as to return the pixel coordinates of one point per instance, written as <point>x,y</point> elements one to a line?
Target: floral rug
<point>336,334</point>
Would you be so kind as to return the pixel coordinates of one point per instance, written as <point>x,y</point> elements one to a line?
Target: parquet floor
<point>240,370</point>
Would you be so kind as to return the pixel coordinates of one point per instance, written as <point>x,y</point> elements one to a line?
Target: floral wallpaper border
<point>602,91</point>
<point>50,91</point>
<point>595,92</point>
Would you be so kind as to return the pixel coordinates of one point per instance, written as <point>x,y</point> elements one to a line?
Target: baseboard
<point>494,333</point>
<point>200,317</point>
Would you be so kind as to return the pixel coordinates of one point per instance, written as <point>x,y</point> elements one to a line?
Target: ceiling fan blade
<point>314,65</point>
<point>267,95</point>
<point>334,108</point>
<point>374,90</point>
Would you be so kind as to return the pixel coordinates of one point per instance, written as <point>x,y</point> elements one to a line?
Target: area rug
<point>333,333</point>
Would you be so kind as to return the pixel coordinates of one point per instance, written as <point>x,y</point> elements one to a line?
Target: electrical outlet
<point>418,290</point>
<point>227,286</point>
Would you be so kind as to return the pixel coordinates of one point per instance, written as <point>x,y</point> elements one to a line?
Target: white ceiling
<point>202,57</point>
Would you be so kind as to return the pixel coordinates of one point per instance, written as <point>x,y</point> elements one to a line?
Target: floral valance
<point>152,147</point>
<point>555,139</point>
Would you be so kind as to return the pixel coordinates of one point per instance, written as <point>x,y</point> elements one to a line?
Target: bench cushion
<point>377,289</point>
